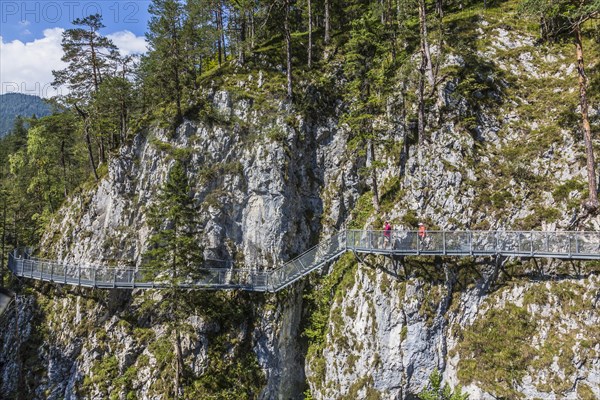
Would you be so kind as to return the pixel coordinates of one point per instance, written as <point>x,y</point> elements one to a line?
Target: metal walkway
<point>561,245</point>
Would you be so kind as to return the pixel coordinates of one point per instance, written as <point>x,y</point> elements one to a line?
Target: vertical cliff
<point>271,178</point>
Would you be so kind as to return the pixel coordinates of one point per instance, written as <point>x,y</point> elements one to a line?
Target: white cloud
<point>128,43</point>
<point>26,67</point>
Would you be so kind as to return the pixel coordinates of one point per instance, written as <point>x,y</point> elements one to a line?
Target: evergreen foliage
<point>90,57</point>
<point>436,391</point>
<point>174,254</point>
<point>100,89</point>
<point>174,247</point>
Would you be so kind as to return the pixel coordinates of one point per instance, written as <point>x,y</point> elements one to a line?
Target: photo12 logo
<point>44,90</point>
<point>56,11</point>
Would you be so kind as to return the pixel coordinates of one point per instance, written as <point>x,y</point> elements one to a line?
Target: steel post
<point>444,241</point>
<point>470,242</point>
<point>531,243</point>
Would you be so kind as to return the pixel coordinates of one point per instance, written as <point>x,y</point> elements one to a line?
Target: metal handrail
<point>583,245</point>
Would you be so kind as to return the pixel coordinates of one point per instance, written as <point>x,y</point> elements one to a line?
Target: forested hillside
<point>250,130</point>
<point>13,105</point>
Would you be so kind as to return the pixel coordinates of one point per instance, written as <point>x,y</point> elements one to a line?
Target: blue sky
<point>31,31</point>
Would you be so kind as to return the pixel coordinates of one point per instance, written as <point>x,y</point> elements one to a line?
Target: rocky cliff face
<point>386,336</point>
<point>270,181</point>
<point>391,323</point>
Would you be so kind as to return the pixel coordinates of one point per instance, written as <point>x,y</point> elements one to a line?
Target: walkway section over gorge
<point>561,245</point>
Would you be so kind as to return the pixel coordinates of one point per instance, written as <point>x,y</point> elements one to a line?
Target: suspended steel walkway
<point>532,244</point>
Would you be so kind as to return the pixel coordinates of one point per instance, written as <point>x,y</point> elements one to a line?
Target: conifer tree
<point>365,77</point>
<point>91,58</point>
<point>436,391</point>
<point>166,60</point>
<point>111,107</point>
<point>174,254</point>
<point>199,38</point>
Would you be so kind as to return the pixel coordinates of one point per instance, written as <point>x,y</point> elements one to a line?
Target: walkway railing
<point>564,245</point>
<point>105,277</point>
<point>567,245</point>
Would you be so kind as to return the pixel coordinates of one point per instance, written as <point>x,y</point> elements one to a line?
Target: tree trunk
<point>63,165</point>
<point>123,133</point>
<point>439,8</point>
<point>421,104</point>
<point>95,69</point>
<point>252,33</point>
<point>219,49</point>
<point>425,52</point>
<point>88,142</point>
<point>177,66</point>
<point>178,364</point>
<point>175,316</point>
<point>222,30</point>
<point>309,34</point>
<point>102,150</point>
<point>288,48</point>
<point>327,23</point>
<point>15,231</point>
<point>242,44</point>
<point>592,203</point>
<point>374,186</point>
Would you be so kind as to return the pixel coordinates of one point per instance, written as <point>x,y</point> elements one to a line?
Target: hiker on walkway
<point>387,230</point>
<point>422,233</point>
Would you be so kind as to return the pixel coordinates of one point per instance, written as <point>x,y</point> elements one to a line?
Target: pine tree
<point>110,109</point>
<point>199,38</point>
<point>365,73</point>
<point>91,58</point>
<point>436,391</point>
<point>174,253</point>
<point>165,61</point>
